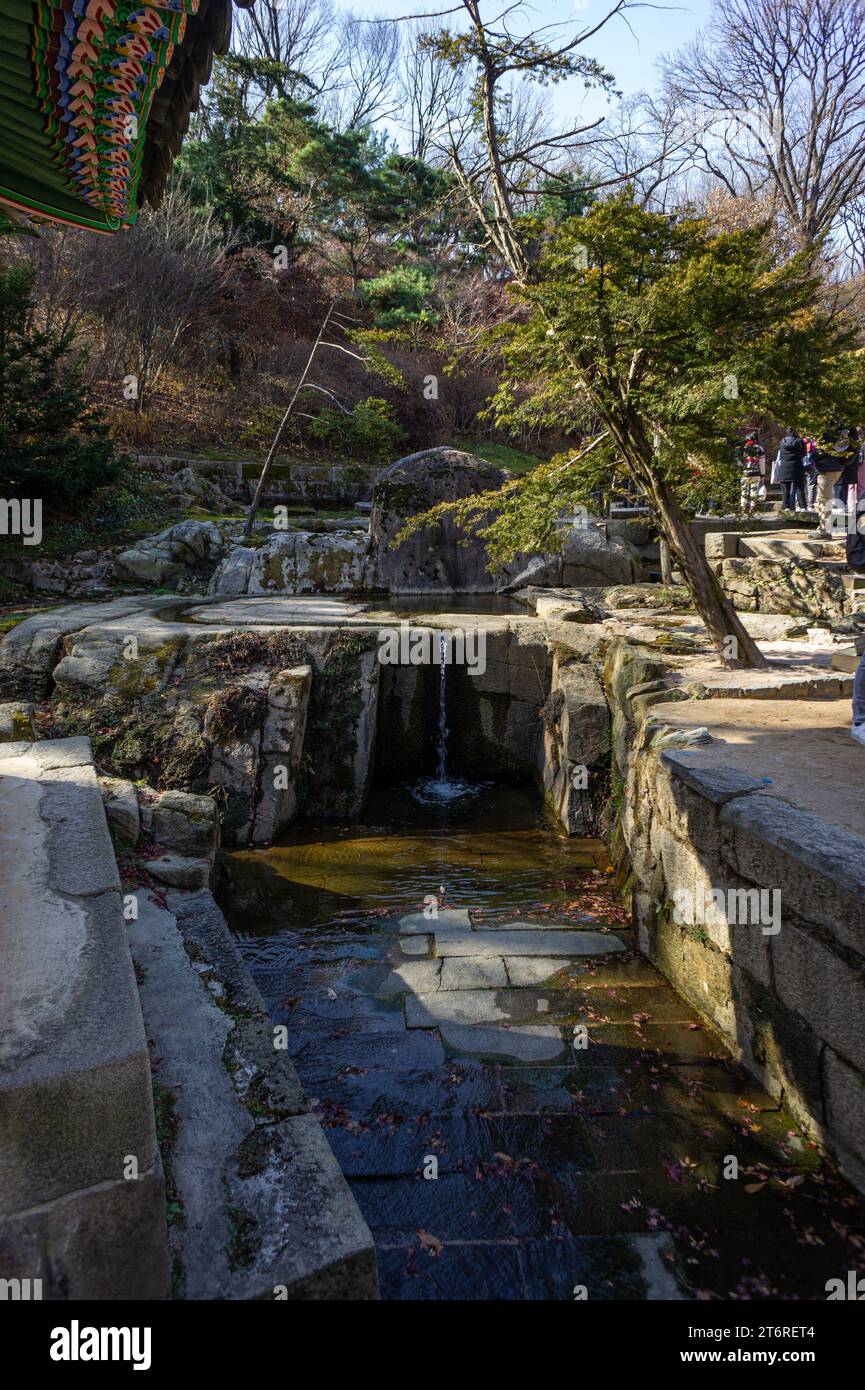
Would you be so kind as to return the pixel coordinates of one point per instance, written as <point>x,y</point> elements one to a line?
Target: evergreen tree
<point>669,337</point>
<point>52,444</point>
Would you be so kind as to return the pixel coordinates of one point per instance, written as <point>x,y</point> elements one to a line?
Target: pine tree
<point>52,444</point>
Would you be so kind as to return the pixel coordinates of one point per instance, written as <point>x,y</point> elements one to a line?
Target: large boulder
<point>167,557</point>
<point>440,558</point>
<point>443,558</point>
<point>587,559</point>
<point>295,562</point>
<point>194,490</point>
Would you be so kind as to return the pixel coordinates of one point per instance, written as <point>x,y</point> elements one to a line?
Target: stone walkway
<point>526,1110</point>
<point>802,747</point>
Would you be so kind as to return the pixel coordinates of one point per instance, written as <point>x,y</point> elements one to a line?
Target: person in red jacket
<point>753,472</point>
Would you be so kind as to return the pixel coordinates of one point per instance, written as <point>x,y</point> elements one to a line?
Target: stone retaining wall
<point>788,572</point>
<point>82,1203</point>
<point>315,484</point>
<point>259,1206</point>
<point>787,994</point>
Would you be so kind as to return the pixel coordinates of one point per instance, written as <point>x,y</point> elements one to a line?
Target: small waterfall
<point>442,739</point>
<point>441,788</point>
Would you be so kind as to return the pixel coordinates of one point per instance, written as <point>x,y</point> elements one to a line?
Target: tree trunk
<point>666,563</point>
<point>735,646</point>
<point>256,501</point>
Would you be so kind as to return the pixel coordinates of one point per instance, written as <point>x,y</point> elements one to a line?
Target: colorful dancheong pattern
<point>95,67</point>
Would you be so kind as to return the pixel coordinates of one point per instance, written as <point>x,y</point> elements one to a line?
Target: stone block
<point>105,1243</point>
<point>464,972</point>
<point>721,545</point>
<point>121,806</point>
<point>517,943</point>
<point>186,824</point>
<point>818,868</point>
<point>845,1106</point>
<point>529,1043</point>
<point>179,871</point>
<point>447,919</point>
<point>16,721</point>
<point>412,977</point>
<point>822,989</point>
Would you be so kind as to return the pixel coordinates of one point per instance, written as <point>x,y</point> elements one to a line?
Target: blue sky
<point>629,50</point>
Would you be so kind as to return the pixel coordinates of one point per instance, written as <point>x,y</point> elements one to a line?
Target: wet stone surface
<point>491,1156</point>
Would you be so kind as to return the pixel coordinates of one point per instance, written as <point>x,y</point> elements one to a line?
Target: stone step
<point>780,548</point>
<point>531,1043</point>
<point>598,937</point>
<point>525,943</point>
<point>446,919</point>
<point>847,658</point>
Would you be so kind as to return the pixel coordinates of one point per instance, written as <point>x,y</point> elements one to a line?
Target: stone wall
<point>784,572</point>
<point>82,1205</point>
<point>259,1207</point>
<point>289,483</point>
<point>787,993</point>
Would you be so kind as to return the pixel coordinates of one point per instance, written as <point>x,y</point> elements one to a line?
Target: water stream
<point>490,1173</point>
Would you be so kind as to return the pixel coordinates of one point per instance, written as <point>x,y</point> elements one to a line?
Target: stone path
<point>526,1110</point>
<point>802,747</point>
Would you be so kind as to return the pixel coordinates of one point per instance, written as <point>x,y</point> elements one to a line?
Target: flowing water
<point>316,919</point>
<point>494,1152</point>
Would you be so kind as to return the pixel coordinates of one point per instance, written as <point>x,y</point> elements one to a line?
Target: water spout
<point>441,789</point>
<point>442,740</point>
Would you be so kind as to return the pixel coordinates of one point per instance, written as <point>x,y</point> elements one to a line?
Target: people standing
<point>753,466</point>
<point>790,471</point>
<point>837,447</point>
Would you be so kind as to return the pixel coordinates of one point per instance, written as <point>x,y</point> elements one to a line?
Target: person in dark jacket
<point>837,447</point>
<point>810,473</point>
<point>849,478</point>
<point>790,471</point>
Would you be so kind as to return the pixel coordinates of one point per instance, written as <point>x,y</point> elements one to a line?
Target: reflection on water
<point>496,848</point>
<point>317,920</point>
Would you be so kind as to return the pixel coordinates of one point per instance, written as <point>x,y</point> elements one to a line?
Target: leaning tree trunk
<point>735,646</point>
<point>256,501</point>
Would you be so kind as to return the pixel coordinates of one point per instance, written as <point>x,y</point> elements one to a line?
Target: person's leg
<point>858,729</point>
<point>785,497</point>
<point>825,498</point>
<point>744,494</point>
